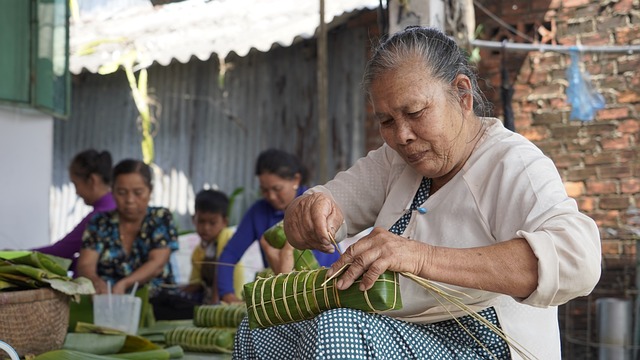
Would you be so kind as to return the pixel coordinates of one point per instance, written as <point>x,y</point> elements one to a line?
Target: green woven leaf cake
<point>300,295</point>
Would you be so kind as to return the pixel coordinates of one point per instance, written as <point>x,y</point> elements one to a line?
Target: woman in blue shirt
<point>281,176</point>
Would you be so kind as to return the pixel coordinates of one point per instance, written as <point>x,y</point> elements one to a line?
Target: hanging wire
<point>502,22</point>
<point>629,49</point>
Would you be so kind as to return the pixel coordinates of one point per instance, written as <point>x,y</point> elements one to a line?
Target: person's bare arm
<point>508,267</point>
<point>280,260</point>
<point>88,267</point>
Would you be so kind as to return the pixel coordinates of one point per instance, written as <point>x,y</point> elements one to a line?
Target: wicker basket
<point>34,321</point>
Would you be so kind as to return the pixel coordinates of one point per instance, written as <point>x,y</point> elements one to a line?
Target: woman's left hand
<point>376,253</point>
<point>119,288</point>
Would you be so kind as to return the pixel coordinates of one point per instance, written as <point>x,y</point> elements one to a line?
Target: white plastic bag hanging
<point>584,100</point>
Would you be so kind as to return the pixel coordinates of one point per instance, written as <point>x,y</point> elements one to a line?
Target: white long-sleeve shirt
<point>507,189</point>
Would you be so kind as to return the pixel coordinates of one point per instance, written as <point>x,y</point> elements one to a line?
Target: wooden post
<point>323,103</point>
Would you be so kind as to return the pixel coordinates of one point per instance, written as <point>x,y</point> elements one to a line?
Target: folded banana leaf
<point>6,285</point>
<point>301,295</point>
<point>75,287</point>
<point>51,263</point>
<point>28,276</point>
<point>173,352</point>
<point>133,343</point>
<point>21,281</point>
<point>98,344</point>
<point>30,271</point>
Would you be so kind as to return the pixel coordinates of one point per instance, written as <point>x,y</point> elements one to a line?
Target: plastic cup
<point>120,312</point>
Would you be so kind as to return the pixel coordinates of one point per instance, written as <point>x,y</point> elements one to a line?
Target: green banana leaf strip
<point>80,310</point>
<point>174,352</point>
<point>6,285</point>
<point>54,264</point>
<point>21,281</point>
<point>147,317</point>
<point>83,327</point>
<point>12,254</point>
<point>30,271</point>
<point>98,344</point>
<point>133,343</point>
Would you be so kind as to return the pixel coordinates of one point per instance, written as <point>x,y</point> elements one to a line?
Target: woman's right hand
<point>311,221</point>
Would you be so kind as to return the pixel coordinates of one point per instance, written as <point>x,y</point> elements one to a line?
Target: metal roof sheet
<point>200,28</point>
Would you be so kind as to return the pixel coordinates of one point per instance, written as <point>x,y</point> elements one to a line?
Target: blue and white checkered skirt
<point>353,334</point>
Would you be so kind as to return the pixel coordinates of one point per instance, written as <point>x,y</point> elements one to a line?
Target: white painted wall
<point>26,145</point>
<point>423,13</point>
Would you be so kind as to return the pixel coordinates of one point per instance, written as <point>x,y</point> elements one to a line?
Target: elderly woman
<point>454,198</point>
<point>132,243</point>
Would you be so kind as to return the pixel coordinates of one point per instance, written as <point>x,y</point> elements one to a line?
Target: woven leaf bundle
<point>300,295</point>
<point>201,339</point>
<point>222,315</point>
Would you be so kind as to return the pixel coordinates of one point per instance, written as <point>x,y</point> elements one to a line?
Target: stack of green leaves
<point>303,259</point>
<point>22,270</point>
<point>301,295</point>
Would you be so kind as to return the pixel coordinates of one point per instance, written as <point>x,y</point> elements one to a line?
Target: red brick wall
<point>598,160</point>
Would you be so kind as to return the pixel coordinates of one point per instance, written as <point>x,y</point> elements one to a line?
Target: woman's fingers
<point>374,254</point>
<point>359,257</point>
<point>306,222</point>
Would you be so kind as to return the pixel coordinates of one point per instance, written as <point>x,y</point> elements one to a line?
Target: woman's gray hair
<point>439,53</point>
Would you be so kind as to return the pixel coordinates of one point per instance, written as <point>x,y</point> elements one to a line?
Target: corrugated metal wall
<point>209,136</point>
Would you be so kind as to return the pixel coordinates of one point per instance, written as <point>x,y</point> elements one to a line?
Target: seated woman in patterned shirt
<point>132,243</point>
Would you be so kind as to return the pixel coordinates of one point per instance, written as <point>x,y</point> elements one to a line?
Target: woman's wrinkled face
<point>132,195</point>
<point>419,118</point>
<point>279,192</point>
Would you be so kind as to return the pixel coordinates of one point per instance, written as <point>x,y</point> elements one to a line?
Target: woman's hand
<point>100,286</point>
<point>280,260</point>
<point>310,222</point>
<point>120,287</point>
<point>377,252</point>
